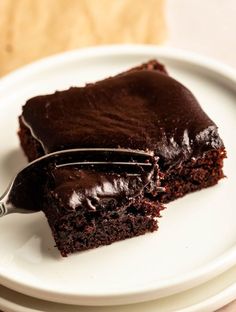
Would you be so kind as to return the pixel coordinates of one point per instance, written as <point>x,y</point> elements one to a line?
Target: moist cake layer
<point>88,208</point>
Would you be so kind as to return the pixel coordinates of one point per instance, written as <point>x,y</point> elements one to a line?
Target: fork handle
<point>6,209</point>
<point>5,206</point>
<point>3,209</point>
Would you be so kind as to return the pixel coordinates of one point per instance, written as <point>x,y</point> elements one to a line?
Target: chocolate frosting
<point>144,110</point>
<point>82,189</point>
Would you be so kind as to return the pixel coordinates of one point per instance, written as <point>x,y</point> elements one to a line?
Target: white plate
<point>205,298</point>
<point>197,236</point>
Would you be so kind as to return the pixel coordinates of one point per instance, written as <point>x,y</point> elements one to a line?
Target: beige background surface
<point>31,29</point>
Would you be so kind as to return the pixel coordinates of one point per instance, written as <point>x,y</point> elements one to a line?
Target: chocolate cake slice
<point>141,109</point>
<point>89,208</point>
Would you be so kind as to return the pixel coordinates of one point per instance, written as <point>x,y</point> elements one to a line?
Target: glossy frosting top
<point>144,110</point>
<point>87,189</point>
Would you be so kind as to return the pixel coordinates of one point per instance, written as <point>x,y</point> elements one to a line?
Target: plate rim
<point>190,279</point>
<point>113,49</point>
<point>217,300</point>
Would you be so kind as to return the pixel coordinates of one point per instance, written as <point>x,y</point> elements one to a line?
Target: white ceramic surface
<point>197,235</point>
<point>205,298</point>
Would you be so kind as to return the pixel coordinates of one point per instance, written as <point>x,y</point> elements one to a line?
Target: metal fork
<point>27,181</point>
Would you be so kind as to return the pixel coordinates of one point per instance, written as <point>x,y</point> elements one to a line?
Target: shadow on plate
<point>13,162</point>
<point>31,239</point>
